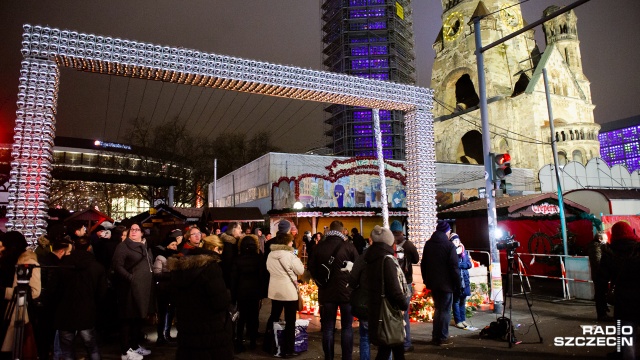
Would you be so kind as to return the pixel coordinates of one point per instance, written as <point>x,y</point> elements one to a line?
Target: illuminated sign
<point>545,208</point>
<point>111,145</point>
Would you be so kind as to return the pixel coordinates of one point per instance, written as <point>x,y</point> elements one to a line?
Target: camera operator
<point>15,248</point>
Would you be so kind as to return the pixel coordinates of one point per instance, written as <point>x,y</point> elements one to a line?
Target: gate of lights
<point>45,49</point>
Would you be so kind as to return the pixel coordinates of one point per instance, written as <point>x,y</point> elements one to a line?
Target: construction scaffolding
<point>370,39</point>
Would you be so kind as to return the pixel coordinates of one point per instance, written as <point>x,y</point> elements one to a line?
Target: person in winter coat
<point>441,275</point>
<point>16,253</point>
<point>230,239</point>
<point>161,278</point>
<point>460,298</point>
<point>407,255</point>
<point>381,262</point>
<point>134,283</point>
<point>335,294</point>
<point>623,268</point>
<point>596,250</point>
<point>82,282</point>
<point>202,303</point>
<point>359,300</point>
<point>284,268</point>
<point>248,271</point>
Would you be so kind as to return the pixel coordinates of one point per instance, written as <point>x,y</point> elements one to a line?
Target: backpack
<point>323,272</point>
<point>498,329</point>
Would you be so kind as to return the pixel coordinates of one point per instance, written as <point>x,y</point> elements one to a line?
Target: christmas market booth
<point>534,221</point>
<point>350,191</point>
<point>162,219</point>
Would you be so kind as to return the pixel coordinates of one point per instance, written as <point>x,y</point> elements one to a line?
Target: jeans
<point>328,313</point>
<point>407,323</point>
<point>442,315</point>
<point>166,311</point>
<point>365,351</point>
<point>88,337</point>
<point>459,308</point>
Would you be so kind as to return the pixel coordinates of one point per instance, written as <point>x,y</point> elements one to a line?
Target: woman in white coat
<point>284,267</point>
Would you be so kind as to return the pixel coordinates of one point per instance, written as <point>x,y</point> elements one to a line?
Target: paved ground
<point>554,319</point>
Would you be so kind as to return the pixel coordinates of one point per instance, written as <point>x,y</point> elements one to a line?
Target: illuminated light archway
<point>45,49</point>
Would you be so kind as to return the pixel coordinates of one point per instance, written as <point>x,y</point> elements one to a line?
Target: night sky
<point>278,31</point>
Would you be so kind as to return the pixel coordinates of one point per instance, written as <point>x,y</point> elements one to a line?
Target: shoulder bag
<point>300,302</point>
<point>391,321</point>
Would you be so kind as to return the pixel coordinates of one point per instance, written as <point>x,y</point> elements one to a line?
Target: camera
<point>508,243</point>
<point>23,273</point>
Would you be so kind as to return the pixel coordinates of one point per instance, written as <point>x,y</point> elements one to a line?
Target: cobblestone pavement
<point>554,319</point>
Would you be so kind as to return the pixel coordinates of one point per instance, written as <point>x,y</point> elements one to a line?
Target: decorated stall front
<point>350,191</point>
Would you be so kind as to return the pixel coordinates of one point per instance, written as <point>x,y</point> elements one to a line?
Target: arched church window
<point>564,137</point>
<point>581,134</point>
<point>571,134</point>
<point>577,156</point>
<point>562,158</point>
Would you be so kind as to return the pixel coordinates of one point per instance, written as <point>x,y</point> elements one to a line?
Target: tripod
<point>17,308</point>
<point>512,267</point>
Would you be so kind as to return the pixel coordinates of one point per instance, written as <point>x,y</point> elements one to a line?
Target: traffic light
<point>501,165</point>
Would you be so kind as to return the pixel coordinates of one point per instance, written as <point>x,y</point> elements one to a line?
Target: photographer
<point>460,297</point>
<point>15,249</point>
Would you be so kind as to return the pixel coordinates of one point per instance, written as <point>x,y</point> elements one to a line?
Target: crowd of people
<point>212,284</point>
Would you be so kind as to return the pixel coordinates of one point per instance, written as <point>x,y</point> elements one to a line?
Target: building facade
<point>371,39</point>
<point>517,106</point>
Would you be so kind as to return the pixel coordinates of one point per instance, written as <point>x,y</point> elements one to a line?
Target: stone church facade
<point>517,106</point>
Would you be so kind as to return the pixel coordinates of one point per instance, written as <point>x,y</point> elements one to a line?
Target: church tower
<point>517,108</point>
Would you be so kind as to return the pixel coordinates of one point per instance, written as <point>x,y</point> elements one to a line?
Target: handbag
<point>391,321</point>
<point>300,301</point>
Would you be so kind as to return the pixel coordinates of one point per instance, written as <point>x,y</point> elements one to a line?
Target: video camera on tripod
<point>507,242</point>
<point>23,272</point>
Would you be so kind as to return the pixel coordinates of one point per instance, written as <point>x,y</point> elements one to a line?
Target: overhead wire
<point>157,100</point>
<point>106,110</point>
<point>185,101</point>
<point>204,107</point>
<point>234,116</point>
<point>275,131</point>
<point>175,90</point>
<point>265,113</point>
<point>214,110</point>
<point>144,91</point>
<point>124,106</point>
<point>251,111</point>
<point>275,117</point>
<point>194,106</point>
<point>298,123</point>
<point>235,96</point>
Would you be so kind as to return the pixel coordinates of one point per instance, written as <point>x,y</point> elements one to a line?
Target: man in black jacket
<point>441,275</point>
<point>82,283</point>
<point>336,293</point>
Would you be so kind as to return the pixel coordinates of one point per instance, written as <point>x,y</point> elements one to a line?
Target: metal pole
<point>496,274</point>
<point>563,222</point>
<point>383,182</point>
<point>215,182</point>
<point>171,192</point>
<point>233,189</point>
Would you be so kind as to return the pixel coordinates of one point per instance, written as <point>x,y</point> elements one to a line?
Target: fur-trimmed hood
<point>28,257</point>
<point>228,238</point>
<point>276,247</point>
<point>179,262</point>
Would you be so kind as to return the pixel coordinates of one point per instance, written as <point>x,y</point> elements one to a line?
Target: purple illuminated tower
<point>371,39</point>
<point>620,143</point>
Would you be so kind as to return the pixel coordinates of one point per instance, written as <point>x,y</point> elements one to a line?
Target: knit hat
<point>284,226</point>
<point>99,228</point>
<point>623,231</point>
<point>175,233</point>
<point>396,226</point>
<point>443,226</point>
<point>383,235</point>
<point>454,236</point>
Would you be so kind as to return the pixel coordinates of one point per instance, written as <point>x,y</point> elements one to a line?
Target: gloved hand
<point>347,266</point>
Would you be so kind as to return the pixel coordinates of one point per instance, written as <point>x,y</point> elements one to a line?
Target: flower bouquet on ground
<point>421,306</point>
<point>309,294</point>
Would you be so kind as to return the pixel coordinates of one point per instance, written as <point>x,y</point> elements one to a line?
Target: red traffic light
<point>501,159</point>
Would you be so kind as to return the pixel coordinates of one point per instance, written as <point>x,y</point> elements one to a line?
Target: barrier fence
<point>525,264</point>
